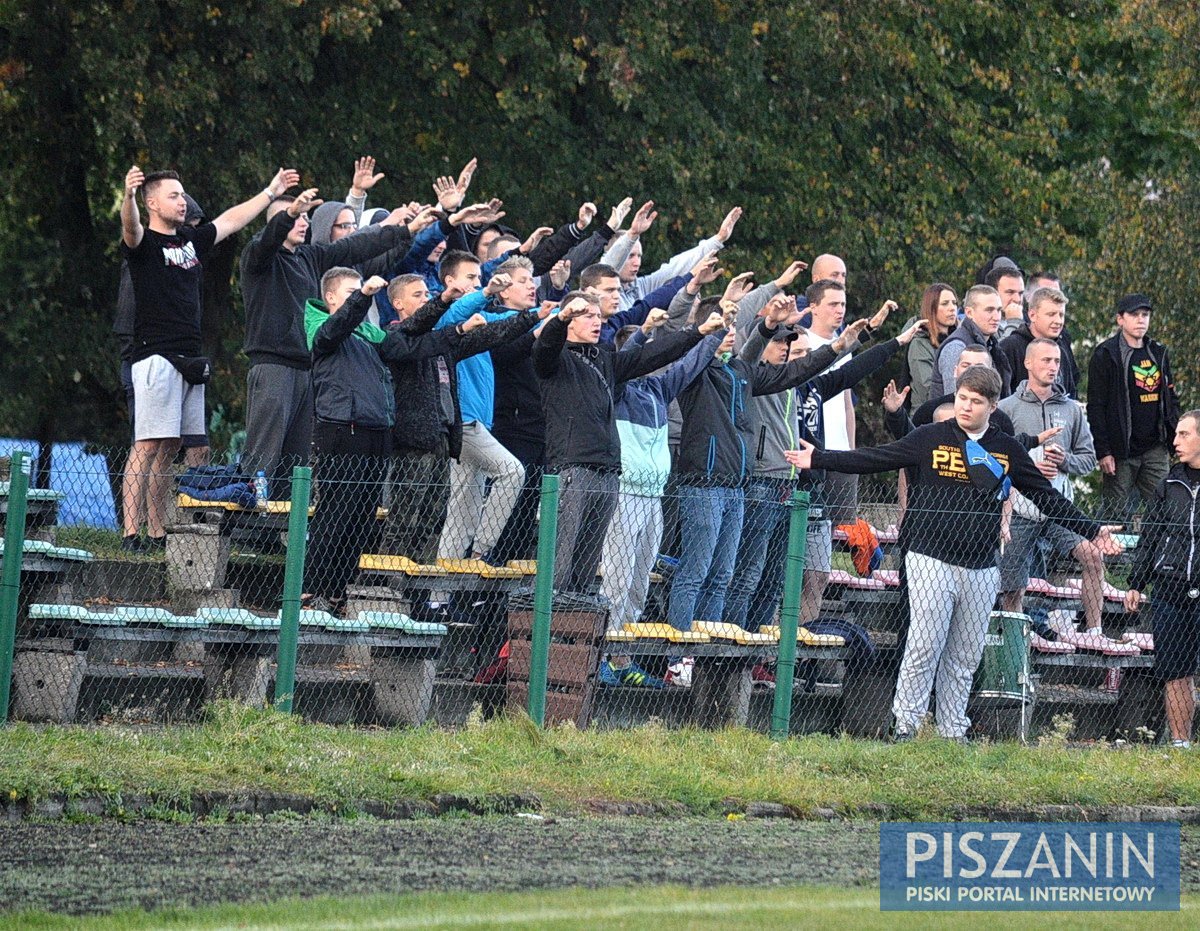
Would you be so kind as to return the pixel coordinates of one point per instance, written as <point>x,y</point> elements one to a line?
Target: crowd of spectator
<point>432,360</point>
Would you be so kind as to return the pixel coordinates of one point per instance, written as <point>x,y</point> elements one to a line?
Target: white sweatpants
<point>949,607</point>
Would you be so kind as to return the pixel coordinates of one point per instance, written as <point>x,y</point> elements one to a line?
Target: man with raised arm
<point>165,259</point>
<point>962,470</point>
<point>625,254</point>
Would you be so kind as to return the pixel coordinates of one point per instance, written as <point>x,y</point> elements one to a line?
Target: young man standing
<point>953,528</point>
<point>1132,408</point>
<point>1038,404</point>
<point>982,306</point>
<point>165,268</point>
<point>1168,557</point>
<point>1047,320</point>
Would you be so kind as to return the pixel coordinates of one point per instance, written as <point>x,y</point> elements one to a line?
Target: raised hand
<point>284,178</point>
<point>373,285</point>
<point>729,311</point>
<point>547,308</point>
<point>473,322</point>
<point>364,176</point>
<point>465,176</point>
<point>881,315</point>
<point>304,202</point>
<point>587,213</point>
<point>560,273</point>
<point>893,398</point>
<point>1133,600</point>
<point>496,284</point>
<point>576,308</point>
<point>739,286</point>
<point>643,219</point>
<point>447,194</point>
<point>801,458</point>
<point>618,214</point>
<point>424,219</point>
<point>134,179</point>
<point>478,214</point>
<point>450,294</point>
<point>656,318</point>
<point>778,310</point>
<point>790,274</point>
<point>706,271</point>
<point>849,336</point>
<point>534,238</point>
<point>714,324</point>
<point>907,336</point>
<point>729,223</point>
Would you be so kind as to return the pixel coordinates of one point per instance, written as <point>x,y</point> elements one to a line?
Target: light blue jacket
<point>641,414</point>
<point>476,377</point>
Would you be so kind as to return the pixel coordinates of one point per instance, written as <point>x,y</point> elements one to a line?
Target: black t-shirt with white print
<point>166,271</point>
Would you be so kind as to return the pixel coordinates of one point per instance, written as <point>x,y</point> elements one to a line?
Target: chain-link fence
<point>373,595</point>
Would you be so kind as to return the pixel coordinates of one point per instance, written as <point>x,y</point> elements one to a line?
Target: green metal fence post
<point>543,598</point>
<point>789,618</point>
<point>14,545</point>
<point>293,586</point>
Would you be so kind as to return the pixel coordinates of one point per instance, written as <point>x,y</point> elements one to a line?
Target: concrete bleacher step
<point>384,620</point>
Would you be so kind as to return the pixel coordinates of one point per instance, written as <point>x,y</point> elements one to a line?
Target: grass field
<point>243,750</point>
<point>722,907</point>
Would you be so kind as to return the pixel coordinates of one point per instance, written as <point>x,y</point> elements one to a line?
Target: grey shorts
<point>165,405</point>
<point>818,548</point>
<point>1018,554</point>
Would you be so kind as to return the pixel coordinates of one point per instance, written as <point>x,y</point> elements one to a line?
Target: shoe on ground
<point>680,674</point>
<point>133,544</point>
<point>903,736</point>
<point>156,544</point>
<point>1181,744</point>
<point>762,677</point>
<point>633,674</point>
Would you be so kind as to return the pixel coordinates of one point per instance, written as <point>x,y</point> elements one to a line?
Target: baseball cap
<point>784,334</point>
<point>1131,302</point>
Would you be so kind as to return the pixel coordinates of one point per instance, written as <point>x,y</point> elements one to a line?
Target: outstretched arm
<point>237,218</point>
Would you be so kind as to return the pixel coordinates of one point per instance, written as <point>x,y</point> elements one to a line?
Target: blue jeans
<point>711,520</point>
<point>766,508</point>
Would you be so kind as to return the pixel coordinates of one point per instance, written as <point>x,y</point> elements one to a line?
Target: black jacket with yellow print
<point>948,517</point>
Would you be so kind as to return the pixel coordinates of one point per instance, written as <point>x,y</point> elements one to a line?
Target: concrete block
<point>403,689</point>
<point>46,686</point>
<point>197,557</point>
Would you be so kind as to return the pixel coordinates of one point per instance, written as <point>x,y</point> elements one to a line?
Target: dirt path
<point>100,867</point>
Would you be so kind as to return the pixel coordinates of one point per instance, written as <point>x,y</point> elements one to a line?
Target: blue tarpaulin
<point>82,478</point>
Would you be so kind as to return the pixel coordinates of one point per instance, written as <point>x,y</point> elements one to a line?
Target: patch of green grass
<point>720,907</point>
<point>238,749</point>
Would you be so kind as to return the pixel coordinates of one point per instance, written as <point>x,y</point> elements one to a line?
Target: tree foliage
<point>914,138</point>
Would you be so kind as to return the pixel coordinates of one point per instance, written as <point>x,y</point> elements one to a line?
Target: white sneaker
<point>680,674</point>
<point>1181,744</point>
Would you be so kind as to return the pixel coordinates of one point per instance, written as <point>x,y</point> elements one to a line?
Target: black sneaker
<point>901,736</point>
<point>156,544</point>
<point>133,544</point>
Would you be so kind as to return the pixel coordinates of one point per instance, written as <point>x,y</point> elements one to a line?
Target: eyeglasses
<point>346,226</point>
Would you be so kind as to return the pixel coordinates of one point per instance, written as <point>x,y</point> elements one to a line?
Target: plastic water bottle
<point>260,488</point>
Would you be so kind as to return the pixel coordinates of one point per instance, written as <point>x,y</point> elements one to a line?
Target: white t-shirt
<point>837,434</point>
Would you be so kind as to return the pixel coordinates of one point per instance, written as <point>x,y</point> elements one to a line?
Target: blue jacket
<point>476,376</point>
<point>641,412</point>
<point>415,262</point>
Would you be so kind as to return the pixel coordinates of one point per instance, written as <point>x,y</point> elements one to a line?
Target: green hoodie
<point>315,314</point>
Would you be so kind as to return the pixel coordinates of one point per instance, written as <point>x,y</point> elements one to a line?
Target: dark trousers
<point>348,467</point>
<point>585,507</point>
<point>279,424</point>
<point>416,496</point>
